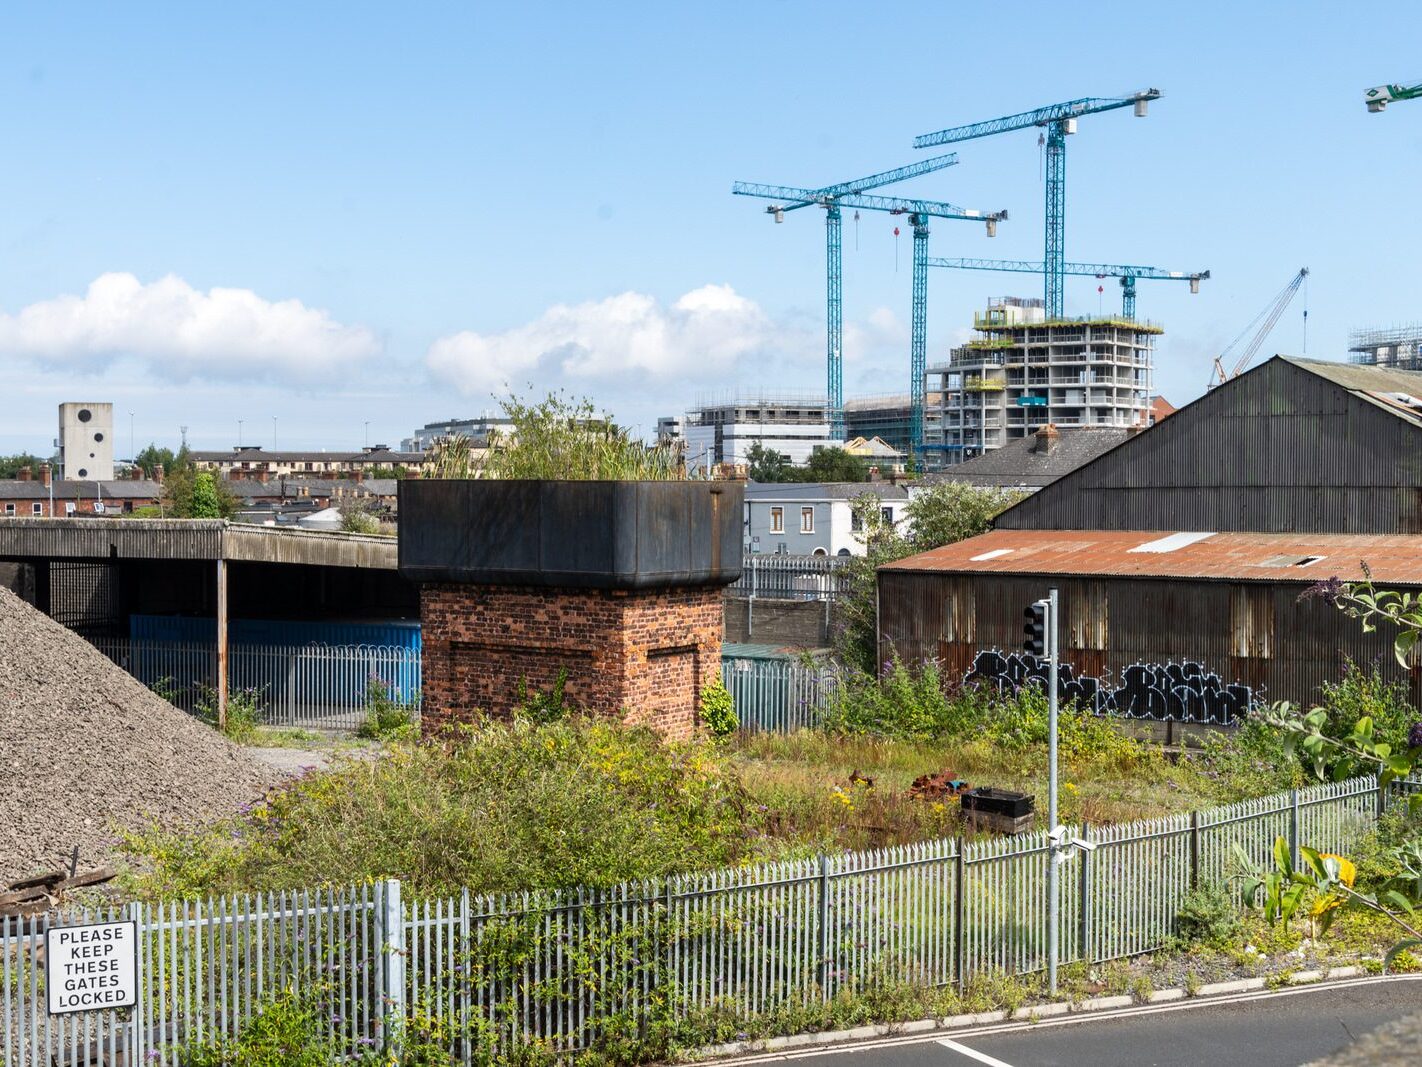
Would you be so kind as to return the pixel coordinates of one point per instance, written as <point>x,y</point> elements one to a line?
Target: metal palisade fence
<point>777,694</point>
<point>565,970</point>
<point>784,577</point>
<point>310,686</point>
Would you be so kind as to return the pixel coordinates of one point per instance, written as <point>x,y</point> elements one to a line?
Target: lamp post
<point>274,418</point>
<point>239,432</point>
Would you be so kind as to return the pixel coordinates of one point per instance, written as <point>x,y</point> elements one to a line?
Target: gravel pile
<point>85,749</point>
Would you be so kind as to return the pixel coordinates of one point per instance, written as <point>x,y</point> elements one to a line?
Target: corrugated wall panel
<point>1279,449</point>
<point>1287,647</point>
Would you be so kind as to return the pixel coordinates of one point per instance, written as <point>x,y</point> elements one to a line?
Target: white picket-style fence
<point>565,969</point>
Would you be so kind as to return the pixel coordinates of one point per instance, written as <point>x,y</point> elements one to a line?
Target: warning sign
<point>91,967</point>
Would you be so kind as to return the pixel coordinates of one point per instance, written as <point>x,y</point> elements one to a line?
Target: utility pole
<point>1053,877</point>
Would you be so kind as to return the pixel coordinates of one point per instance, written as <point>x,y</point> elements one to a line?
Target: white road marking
<point>1075,1019</point>
<point>972,1053</point>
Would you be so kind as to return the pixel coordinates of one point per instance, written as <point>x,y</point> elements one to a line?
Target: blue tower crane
<point>834,272</point>
<point>918,212</point>
<point>1129,275</point>
<point>1060,120</point>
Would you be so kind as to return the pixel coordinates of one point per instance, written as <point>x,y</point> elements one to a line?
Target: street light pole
<point>274,433</point>
<point>239,432</point>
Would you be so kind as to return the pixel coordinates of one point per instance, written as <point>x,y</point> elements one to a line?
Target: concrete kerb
<point>1029,1013</point>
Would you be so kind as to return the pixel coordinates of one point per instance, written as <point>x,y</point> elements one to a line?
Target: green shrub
<point>1366,693</point>
<point>387,719</point>
<point>496,807</point>
<point>244,712</point>
<point>912,703</point>
<point>718,710</point>
<point>541,707</point>
<point>289,1031</point>
<point>1207,916</point>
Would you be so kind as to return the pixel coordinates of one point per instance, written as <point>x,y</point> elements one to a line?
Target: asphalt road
<point>1283,1029</point>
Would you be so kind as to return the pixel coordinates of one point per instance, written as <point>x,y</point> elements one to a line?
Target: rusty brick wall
<point>642,655</point>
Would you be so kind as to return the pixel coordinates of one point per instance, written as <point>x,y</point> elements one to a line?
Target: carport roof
<point>1304,558</point>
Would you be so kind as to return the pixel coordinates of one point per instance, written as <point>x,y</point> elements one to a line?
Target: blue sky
<point>341,214</point>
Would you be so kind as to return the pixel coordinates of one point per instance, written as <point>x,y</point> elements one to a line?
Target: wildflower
<point>1414,736</point>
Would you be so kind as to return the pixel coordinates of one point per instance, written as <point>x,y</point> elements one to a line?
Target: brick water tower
<point>613,587</point>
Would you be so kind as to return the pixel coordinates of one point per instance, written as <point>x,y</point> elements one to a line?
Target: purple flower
<point>1414,736</point>
<point>1330,589</point>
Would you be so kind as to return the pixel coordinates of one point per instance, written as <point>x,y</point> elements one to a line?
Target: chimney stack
<point>874,475</point>
<point>45,474</point>
<point>1046,439</point>
<point>25,474</point>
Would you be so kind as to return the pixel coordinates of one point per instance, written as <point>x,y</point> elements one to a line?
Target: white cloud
<point>629,338</point>
<point>182,332</point>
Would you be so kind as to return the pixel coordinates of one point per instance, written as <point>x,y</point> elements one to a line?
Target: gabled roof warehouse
<point>1291,445</point>
<point>1191,542</point>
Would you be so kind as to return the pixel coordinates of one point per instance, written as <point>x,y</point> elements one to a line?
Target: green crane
<point>1379,96</point>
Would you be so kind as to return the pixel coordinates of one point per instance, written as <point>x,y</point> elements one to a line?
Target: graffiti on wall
<point>1184,692</point>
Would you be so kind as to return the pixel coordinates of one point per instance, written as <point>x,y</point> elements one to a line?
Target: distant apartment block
<point>1021,373</point>
<point>477,430</point>
<point>250,461</point>
<point>86,441</point>
<point>723,433</point>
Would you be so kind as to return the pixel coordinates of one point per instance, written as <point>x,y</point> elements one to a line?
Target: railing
<point>310,686</point>
<point>787,577</point>
<point>563,969</point>
<point>777,695</point>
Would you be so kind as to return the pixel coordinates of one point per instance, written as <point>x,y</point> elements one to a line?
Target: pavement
<point>1285,1028</point>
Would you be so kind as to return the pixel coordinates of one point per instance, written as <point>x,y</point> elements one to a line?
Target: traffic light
<point>1034,633</point>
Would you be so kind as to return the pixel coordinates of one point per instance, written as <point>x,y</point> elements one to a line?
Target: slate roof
<point>1019,463</point>
<point>823,490</point>
<point>113,489</point>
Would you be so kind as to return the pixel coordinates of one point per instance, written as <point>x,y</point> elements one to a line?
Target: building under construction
<point>1022,372</point>
<point>1397,346</point>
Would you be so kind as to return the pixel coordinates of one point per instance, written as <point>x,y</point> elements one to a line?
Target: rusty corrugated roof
<point>1265,557</point>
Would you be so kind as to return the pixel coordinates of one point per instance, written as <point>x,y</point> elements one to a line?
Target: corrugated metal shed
<point>1229,556</point>
<point>1292,445</point>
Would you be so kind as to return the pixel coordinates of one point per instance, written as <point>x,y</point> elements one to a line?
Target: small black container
<point>998,802</point>
<point>589,535</point>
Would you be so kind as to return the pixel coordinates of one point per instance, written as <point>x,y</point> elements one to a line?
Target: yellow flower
<point>1346,874</point>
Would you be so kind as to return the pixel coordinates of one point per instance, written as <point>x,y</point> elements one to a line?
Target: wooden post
<point>221,644</point>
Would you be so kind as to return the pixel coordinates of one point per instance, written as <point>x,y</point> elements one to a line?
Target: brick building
<point>43,497</point>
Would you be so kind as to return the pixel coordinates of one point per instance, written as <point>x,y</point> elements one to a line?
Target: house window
<point>887,514</point>
<point>36,509</point>
<point>856,521</point>
<point>777,520</point>
<point>69,507</point>
<point>807,520</point>
<point>9,509</point>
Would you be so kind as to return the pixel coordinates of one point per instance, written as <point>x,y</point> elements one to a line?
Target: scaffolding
<point>1396,346</point>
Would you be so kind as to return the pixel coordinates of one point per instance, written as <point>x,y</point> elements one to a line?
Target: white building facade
<point>724,433</point>
<point>86,442</point>
<point>815,519</point>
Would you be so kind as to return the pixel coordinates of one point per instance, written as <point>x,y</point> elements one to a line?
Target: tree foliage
<point>834,464</point>
<point>152,457</point>
<point>937,516</point>
<point>766,464</point>
<point>190,494</point>
<point>10,465</point>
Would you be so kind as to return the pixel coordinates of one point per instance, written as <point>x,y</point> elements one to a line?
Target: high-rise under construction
<point>1023,372</point>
